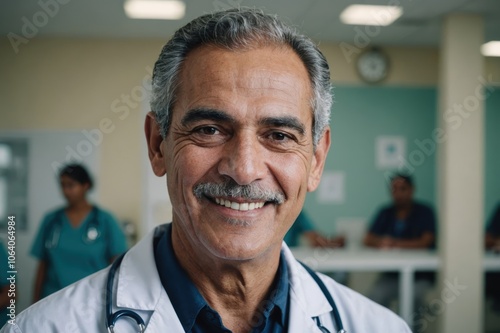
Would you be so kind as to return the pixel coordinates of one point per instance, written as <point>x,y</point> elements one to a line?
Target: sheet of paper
<point>390,152</point>
<point>331,189</point>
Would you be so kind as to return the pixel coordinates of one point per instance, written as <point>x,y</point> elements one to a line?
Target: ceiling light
<point>491,49</point>
<point>155,9</point>
<point>370,15</point>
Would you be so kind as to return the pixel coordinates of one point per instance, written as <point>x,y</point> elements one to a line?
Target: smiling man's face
<point>241,118</point>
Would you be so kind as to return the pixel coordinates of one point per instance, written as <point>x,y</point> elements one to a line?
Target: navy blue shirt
<point>196,315</point>
<point>420,220</point>
<point>494,225</point>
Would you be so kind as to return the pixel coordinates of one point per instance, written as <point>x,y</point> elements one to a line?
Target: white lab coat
<point>80,307</point>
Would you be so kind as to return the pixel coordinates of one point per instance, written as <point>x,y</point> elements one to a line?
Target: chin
<point>237,248</point>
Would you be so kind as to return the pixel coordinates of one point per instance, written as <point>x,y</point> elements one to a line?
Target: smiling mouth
<point>244,206</point>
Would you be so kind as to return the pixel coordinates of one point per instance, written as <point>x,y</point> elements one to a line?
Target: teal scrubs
<point>4,268</point>
<point>302,224</point>
<point>71,256</point>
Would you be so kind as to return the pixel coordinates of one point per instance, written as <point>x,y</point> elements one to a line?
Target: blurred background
<point>417,90</point>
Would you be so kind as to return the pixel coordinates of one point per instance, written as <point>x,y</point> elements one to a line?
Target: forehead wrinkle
<point>253,79</point>
<point>251,76</point>
<point>270,80</point>
<point>220,80</point>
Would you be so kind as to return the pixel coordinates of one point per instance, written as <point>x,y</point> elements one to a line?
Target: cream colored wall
<point>408,66</point>
<point>461,174</point>
<point>492,70</point>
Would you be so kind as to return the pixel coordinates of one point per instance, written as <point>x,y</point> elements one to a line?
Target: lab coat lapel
<point>306,298</point>
<point>139,284</point>
<point>140,288</point>
<point>164,318</point>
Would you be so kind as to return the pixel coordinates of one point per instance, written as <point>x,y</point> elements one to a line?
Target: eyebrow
<point>286,121</point>
<point>198,114</point>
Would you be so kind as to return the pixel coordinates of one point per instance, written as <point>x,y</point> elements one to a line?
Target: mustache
<point>229,188</point>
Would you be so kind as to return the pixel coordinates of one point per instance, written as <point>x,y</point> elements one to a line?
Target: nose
<point>243,159</point>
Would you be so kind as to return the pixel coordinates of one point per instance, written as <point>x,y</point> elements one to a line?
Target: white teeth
<point>239,206</point>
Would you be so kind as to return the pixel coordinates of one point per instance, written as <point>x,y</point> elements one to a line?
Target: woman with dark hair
<point>492,243</point>
<point>76,240</point>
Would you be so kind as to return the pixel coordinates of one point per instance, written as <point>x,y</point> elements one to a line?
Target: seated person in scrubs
<point>4,285</point>
<point>492,243</point>
<point>492,238</point>
<point>404,224</point>
<point>76,240</point>
<point>303,226</point>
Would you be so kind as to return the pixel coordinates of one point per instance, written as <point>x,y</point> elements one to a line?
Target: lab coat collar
<point>139,285</point>
<point>305,292</point>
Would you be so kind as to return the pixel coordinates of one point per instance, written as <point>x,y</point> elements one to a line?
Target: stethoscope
<point>54,229</point>
<point>335,311</point>
<point>112,317</point>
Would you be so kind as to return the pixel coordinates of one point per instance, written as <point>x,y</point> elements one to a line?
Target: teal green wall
<point>492,156</point>
<point>359,115</point>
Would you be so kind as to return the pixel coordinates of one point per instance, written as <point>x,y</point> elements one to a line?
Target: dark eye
<point>208,130</point>
<point>208,134</point>
<point>278,136</point>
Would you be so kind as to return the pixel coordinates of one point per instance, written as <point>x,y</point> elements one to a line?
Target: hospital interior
<point>416,92</point>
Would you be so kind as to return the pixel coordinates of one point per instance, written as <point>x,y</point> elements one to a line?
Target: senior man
<point>241,107</point>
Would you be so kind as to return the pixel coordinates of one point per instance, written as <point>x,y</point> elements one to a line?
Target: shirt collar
<point>180,288</point>
<point>279,292</point>
<point>177,283</point>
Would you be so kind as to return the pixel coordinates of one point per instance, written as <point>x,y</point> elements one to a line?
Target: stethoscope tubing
<point>335,311</point>
<point>112,318</point>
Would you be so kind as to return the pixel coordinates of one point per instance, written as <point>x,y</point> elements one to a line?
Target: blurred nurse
<point>76,240</point>
<point>4,285</point>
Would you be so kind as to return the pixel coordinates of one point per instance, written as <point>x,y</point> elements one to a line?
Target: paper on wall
<point>331,188</point>
<point>390,152</point>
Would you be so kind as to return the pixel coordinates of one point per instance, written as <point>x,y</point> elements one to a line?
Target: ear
<point>154,141</point>
<point>318,161</point>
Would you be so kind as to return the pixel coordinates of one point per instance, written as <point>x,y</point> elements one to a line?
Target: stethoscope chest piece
<point>92,234</point>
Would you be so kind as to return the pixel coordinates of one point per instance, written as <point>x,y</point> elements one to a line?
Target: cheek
<point>186,168</point>
<point>292,172</point>
<point>69,191</point>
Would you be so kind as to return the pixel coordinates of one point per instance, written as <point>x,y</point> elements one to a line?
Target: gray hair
<point>235,29</point>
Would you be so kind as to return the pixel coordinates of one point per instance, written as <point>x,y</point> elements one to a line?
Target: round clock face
<point>373,66</point>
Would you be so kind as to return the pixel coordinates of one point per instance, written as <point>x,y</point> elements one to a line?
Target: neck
<point>81,205</point>
<point>234,288</point>
<point>404,206</point>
